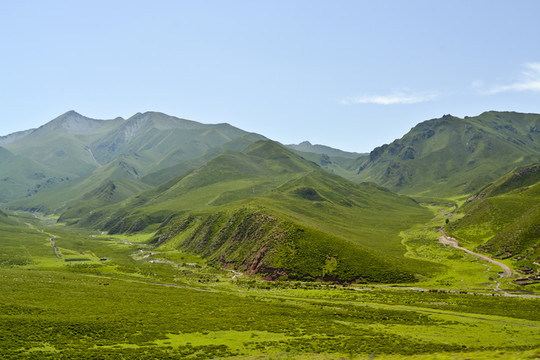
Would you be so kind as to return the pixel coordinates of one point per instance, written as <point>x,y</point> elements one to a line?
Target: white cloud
<point>529,80</point>
<point>477,84</point>
<point>394,98</point>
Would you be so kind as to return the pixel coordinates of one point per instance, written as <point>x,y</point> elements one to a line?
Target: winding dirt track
<point>450,241</point>
<point>53,243</point>
<point>51,239</point>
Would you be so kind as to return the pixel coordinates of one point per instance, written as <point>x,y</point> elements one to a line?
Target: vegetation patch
<point>308,194</point>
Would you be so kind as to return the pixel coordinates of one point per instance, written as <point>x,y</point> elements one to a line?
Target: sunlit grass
<point>143,302</point>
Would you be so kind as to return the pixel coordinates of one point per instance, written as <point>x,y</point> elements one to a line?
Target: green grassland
<point>174,239</point>
<point>144,302</point>
<point>461,271</point>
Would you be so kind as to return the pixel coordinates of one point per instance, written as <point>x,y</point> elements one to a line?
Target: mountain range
<point>296,211</point>
<point>72,148</point>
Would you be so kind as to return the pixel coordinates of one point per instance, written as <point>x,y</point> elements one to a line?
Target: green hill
<point>262,240</point>
<point>503,218</point>
<point>22,177</point>
<point>452,156</point>
<point>59,197</point>
<point>228,176</point>
<point>267,210</point>
<point>166,174</point>
<point>109,193</point>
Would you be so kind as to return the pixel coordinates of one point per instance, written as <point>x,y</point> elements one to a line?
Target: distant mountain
<point>165,174</point>
<point>267,210</point>
<point>503,218</point>
<point>440,157</point>
<point>72,147</point>
<point>336,161</point>
<point>160,141</point>
<point>453,156</point>
<point>65,143</point>
<point>306,146</point>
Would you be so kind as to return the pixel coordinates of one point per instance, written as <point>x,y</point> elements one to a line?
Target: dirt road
<point>53,243</point>
<point>450,241</point>
<point>51,239</point>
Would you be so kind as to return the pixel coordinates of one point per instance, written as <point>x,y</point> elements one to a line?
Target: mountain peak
<point>160,121</point>
<point>67,116</point>
<point>75,123</point>
<point>71,113</point>
<point>72,122</point>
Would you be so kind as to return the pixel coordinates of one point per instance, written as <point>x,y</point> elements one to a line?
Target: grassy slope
<point>168,173</point>
<point>20,244</point>
<point>229,176</point>
<point>302,236</point>
<point>20,176</point>
<point>453,156</point>
<point>504,217</point>
<point>111,192</point>
<point>60,197</point>
<point>309,223</point>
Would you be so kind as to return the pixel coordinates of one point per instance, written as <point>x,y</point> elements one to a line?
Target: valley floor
<point>79,295</point>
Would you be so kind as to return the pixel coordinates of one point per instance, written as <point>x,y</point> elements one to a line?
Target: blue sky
<point>349,74</point>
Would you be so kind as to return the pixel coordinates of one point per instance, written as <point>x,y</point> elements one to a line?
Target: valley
<point>159,237</point>
<point>143,303</point>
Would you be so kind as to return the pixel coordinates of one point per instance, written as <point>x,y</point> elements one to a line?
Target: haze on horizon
<point>352,75</point>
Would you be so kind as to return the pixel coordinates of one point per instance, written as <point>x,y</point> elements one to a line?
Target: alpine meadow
<point>270,180</point>
<point>159,237</point>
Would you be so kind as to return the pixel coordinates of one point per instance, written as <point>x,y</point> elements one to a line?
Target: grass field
<point>129,300</point>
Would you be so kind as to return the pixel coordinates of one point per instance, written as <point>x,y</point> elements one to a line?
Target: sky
<point>348,74</point>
